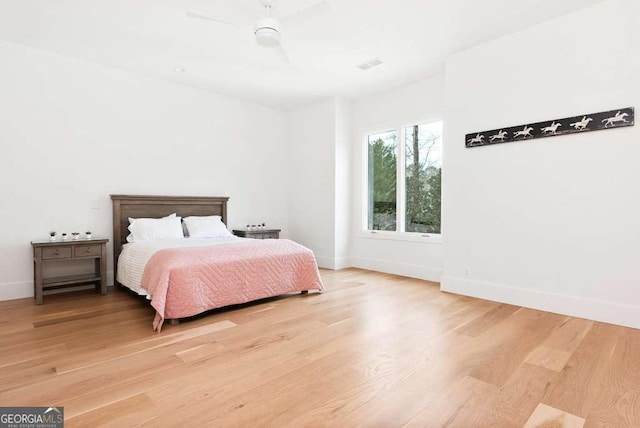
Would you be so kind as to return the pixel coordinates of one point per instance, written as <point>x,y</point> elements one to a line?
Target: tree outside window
<point>423,177</point>
<point>409,201</point>
<point>382,180</point>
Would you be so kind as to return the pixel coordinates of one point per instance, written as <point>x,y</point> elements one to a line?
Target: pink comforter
<point>183,282</point>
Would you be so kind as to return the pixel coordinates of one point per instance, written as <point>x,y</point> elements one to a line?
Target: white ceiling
<point>154,37</point>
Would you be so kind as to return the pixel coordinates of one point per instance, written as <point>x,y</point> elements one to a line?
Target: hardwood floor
<point>373,350</point>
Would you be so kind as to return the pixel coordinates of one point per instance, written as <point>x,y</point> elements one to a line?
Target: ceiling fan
<point>267,30</point>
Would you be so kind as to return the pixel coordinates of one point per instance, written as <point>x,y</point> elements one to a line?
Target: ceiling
<point>157,38</point>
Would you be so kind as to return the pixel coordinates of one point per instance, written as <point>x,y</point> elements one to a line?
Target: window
<point>404,174</point>
<point>383,178</point>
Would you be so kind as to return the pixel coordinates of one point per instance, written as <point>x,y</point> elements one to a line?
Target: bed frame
<point>125,206</point>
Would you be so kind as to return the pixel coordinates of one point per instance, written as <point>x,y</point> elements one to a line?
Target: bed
<point>186,277</point>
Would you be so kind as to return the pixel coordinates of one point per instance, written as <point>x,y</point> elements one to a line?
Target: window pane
<point>382,180</point>
<point>423,175</point>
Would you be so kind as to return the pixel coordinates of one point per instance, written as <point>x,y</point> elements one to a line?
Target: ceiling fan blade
<point>282,55</point>
<point>321,8</point>
<point>197,15</point>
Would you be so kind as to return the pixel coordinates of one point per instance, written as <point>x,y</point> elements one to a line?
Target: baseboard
<point>22,290</point>
<point>326,262</point>
<point>597,310</point>
<point>404,269</point>
<point>16,290</point>
<point>342,263</point>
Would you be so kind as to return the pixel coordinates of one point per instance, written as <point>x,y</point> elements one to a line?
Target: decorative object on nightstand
<point>52,236</point>
<point>87,235</point>
<point>75,235</point>
<point>64,236</point>
<point>49,252</point>
<point>257,233</point>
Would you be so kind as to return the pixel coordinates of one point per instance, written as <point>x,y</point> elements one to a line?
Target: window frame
<point>401,198</point>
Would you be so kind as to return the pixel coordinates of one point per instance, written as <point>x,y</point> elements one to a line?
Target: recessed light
<point>180,69</point>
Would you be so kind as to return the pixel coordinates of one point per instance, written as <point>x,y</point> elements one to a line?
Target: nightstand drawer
<point>56,253</point>
<point>270,235</point>
<point>87,250</point>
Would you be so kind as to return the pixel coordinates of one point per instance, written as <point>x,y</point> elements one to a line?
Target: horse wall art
<point>550,128</point>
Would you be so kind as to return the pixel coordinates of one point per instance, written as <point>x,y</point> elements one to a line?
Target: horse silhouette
<point>617,118</point>
<point>476,140</point>
<point>551,128</point>
<point>499,136</point>
<point>579,126</point>
<point>526,132</point>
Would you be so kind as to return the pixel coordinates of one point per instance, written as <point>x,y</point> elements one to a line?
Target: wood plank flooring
<point>374,350</point>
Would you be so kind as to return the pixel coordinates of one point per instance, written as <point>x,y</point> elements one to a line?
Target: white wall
<point>73,132</point>
<point>342,183</point>
<point>419,101</point>
<point>311,179</point>
<point>553,223</point>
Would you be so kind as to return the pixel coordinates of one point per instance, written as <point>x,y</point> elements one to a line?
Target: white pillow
<point>154,229</point>
<point>131,220</point>
<point>206,227</point>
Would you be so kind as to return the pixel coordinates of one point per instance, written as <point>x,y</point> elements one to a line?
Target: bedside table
<point>258,234</point>
<point>61,251</point>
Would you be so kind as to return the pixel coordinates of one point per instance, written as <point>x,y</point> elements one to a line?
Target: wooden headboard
<point>125,206</point>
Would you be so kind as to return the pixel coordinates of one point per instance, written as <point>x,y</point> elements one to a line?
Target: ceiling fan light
<point>268,33</point>
<point>268,37</point>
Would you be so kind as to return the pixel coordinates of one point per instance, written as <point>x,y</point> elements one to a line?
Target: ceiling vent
<point>374,62</point>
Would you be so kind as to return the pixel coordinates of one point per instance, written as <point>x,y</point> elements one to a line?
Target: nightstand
<point>64,251</point>
<point>258,234</point>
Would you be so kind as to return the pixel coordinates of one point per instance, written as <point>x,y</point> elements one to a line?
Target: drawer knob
<point>88,250</point>
<point>57,252</point>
